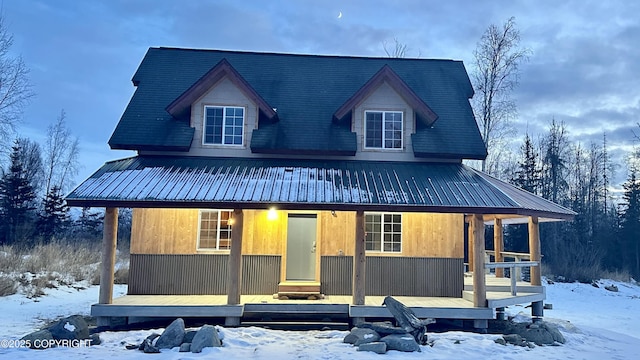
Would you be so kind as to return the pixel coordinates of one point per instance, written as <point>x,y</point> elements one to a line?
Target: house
<point>332,178</point>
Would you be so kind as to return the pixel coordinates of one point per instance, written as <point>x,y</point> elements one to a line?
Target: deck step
<point>299,290</point>
<point>312,287</point>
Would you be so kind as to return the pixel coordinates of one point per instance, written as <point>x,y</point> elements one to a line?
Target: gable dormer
<point>384,112</point>
<point>223,109</point>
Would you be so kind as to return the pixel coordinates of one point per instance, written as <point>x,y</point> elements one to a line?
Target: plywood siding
<point>164,231</point>
<point>433,235</point>
<point>262,235</point>
<point>175,231</point>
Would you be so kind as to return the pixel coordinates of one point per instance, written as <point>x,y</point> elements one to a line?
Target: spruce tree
<point>17,196</point>
<point>630,222</point>
<point>54,218</point>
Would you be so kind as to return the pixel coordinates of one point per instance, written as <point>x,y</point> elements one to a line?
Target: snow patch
<point>70,327</point>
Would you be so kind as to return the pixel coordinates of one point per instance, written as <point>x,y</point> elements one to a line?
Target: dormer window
<point>223,125</point>
<point>383,129</point>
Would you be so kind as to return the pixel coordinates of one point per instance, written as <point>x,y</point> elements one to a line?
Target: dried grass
<point>53,265</point>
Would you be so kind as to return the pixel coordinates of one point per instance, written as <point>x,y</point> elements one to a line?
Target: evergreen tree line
<point>605,232</point>
<point>33,183</point>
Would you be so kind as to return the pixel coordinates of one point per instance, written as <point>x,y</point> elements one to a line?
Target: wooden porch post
<point>498,245</point>
<point>476,227</point>
<point>534,250</point>
<point>234,280</point>
<point>359,261</point>
<point>470,244</point>
<point>109,240</point>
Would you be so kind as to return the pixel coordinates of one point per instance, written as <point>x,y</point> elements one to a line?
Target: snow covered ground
<point>597,324</point>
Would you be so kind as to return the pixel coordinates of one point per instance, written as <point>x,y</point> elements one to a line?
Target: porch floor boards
<point>216,305</point>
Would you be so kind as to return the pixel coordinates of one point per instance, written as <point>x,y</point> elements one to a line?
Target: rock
<point>70,328</point>
<point>612,288</point>
<point>538,336</point>
<point>148,348</point>
<point>595,284</point>
<point>207,336</point>
<point>555,333</point>
<point>400,342</point>
<point>41,336</point>
<point>500,341</point>
<point>382,328</point>
<point>172,335</point>
<point>185,347</point>
<point>514,339</point>
<point>359,336</point>
<point>377,347</point>
<point>148,341</point>
<point>188,336</point>
<point>95,339</point>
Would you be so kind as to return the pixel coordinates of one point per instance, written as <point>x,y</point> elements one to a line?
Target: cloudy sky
<point>584,69</point>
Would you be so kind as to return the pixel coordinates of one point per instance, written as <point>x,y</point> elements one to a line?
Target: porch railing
<point>516,256</point>
<point>513,266</point>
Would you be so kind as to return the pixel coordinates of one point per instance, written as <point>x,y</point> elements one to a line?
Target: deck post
<point>109,241</point>
<point>476,227</point>
<point>470,245</point>
<point>498,245</point>
<point>534,250</point>
<point>537,308</point>
<point>235,260</point>
<point>359,261</point>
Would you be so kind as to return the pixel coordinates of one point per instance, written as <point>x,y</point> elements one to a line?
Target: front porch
<point>252,307</point>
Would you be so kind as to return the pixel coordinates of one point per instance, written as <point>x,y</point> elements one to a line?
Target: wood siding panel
<point>199,274</point>
<point>397,276</point>
<point>337,232</point>
<point>174,231</point>
<point>433,235</point>
<point>164,231</point>
<point>264,236</point>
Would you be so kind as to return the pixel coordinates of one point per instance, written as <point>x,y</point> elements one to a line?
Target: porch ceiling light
<point>272,214</point>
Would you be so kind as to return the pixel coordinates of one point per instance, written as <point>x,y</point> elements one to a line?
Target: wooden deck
<point>498,295</point>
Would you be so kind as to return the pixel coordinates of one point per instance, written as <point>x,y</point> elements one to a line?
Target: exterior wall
<point>396,276</point>
<point>165,259</point>
<point>224,93</point>
<point>384,98</point>
<point>175,231</point>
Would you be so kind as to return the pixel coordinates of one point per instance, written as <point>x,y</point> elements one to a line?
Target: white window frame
<point>224,125</point>
<point>384,112</point>
<point>219,211</point>
<point>382,232</point>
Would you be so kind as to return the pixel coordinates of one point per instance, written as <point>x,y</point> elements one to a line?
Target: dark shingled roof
<point>199,182</point>
<point>307,90</point>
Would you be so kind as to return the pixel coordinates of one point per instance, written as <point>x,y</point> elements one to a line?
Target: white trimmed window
<point>384,232</point>
<point>215,230</point>
<point>383,129</point>
<point>223,125</point>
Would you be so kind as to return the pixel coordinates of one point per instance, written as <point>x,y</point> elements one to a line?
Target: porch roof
<point>251,183</point>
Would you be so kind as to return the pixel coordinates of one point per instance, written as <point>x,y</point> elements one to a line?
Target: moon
<point>340,15</point>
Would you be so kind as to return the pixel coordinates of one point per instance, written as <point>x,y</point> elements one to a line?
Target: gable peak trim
<point>221,70</point>
<point>386,74</point>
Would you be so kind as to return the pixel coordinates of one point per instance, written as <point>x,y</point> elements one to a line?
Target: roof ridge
<point>170,48</point>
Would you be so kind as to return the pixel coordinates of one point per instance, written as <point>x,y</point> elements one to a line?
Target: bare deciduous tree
<point>497,59</point>
<point>15,88</point>
<point>397,50</point>
<point>61,155</point>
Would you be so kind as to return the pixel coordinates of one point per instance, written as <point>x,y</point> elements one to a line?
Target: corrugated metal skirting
<point>200,274</point>
<point>398,276</point>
